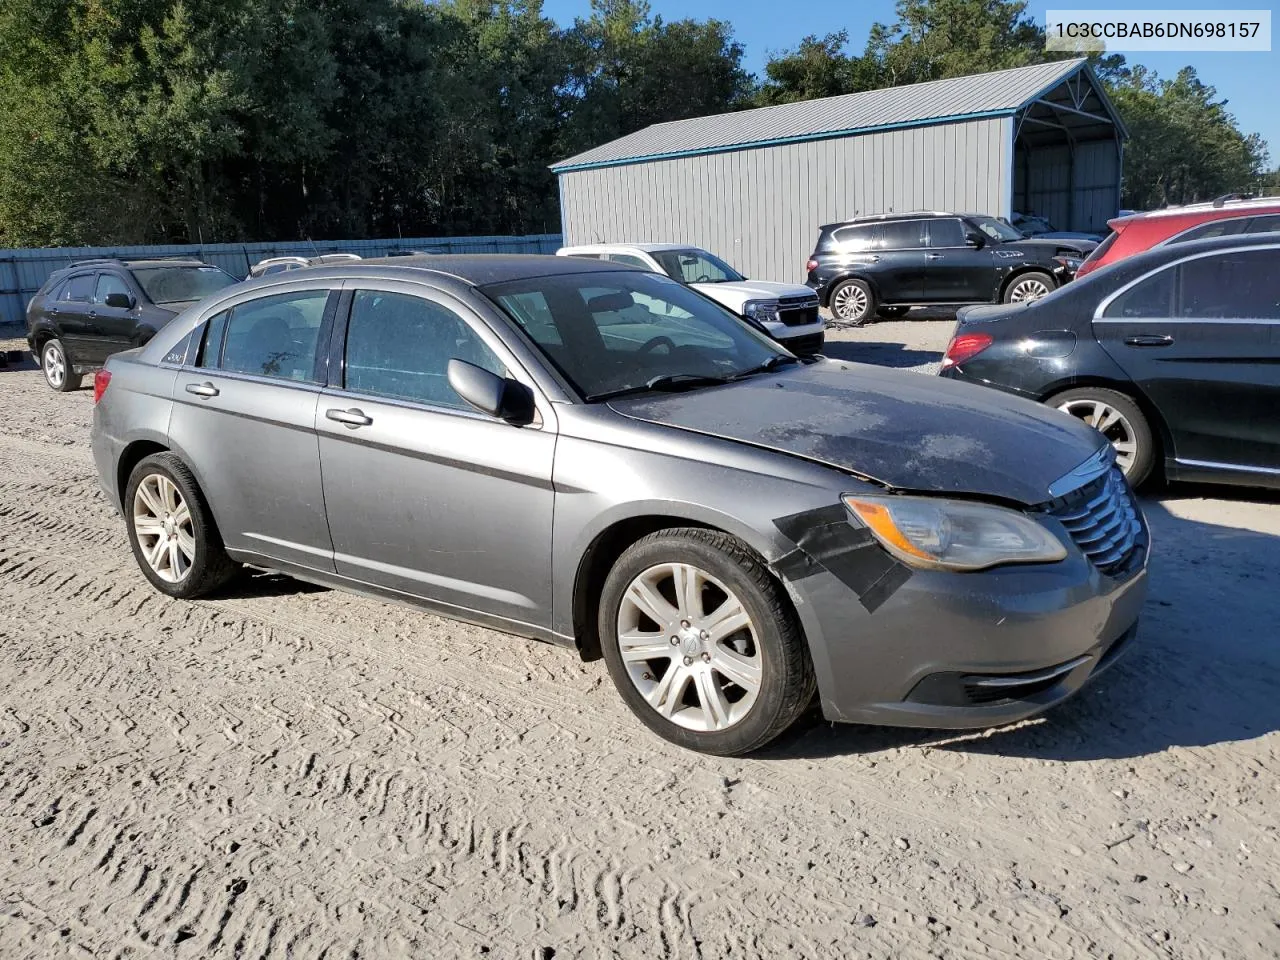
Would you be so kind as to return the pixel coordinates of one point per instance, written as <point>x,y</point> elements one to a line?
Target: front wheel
<point>701,642</point>
<point>1118,419</point>
<point>1029,286</point>
<point>171,530</point>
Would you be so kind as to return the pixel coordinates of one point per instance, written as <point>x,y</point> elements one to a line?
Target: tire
<point>57,369</point>
<point>204,567</point>
<point>852,302</point>
<point>767,647</point>
<point>1029,286</point>
<point>1123,423</point>
<point>892,313</point>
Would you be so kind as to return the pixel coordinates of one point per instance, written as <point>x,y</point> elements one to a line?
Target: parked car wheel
<point>1028,286</point>
<point>702,644</point>
<point>171,530</point>
<point>892,313</point>
<point>853,302</point>
<point>57,369</point>
<point>1118,419</point>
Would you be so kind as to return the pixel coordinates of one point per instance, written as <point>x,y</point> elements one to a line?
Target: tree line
<point>146,121</point>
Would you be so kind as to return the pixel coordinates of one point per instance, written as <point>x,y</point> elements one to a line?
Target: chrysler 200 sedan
<point>594,455</point>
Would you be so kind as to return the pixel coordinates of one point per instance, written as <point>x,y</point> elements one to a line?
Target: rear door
<point>426,495</point>
<point>70,314</point>
<point>901,261</point>
<point>244,412</point>
<point>1201,338</point>
<point>957,272</point>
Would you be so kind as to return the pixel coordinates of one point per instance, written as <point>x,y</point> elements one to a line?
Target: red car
<point>1223,217</point>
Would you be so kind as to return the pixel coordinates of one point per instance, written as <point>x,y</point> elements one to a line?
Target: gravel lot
<point>291,771</point>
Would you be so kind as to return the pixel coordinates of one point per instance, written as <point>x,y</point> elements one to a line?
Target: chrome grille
<point>1102,518</point>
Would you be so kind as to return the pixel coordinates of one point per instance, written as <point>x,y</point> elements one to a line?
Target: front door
<point>957,272</point>
<point>115,326</point>
<point>425,495</point>
<point>244,419</point>
<point>1202,341</point>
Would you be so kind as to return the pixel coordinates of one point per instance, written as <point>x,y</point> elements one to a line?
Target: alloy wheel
<point>1024,291</point>
<point>1109,422</point>
<point>850,303</point>
<point>55,367</point>
<point>163,525</point>
<point>690,647</point>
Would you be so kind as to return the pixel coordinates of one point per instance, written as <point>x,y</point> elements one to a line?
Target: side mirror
<point>121,301</point>
<point>490,393</point>
<point>974,239</point>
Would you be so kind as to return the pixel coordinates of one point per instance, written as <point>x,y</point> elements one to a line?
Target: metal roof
<point>1001,93</point>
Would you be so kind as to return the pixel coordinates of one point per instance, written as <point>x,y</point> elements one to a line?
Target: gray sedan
<point>599,457</point>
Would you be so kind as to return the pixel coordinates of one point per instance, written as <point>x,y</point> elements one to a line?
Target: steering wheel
<point>701,278</point>
<point>650,345</point>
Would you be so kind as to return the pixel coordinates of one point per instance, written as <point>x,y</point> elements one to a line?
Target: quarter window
<point>1215,228</point>
<point>855,239</point>
<point>79,289</point>
<point>399,346</point>
<point>629,260</point>
<point>1264,224</point>
<point>109,283</point>
<point>275,336</point>
<point>1150,299</point>
<point>211,343</point>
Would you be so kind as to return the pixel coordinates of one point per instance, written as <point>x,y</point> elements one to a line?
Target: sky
<point>1249,81</point>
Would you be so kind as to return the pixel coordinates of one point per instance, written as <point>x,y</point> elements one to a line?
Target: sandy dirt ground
<point>287,771</point>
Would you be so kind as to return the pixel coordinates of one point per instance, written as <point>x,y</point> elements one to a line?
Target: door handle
<point>1149,340</point>
<point>933,256</point>
<point>203,389</point>
<point>355,417</point>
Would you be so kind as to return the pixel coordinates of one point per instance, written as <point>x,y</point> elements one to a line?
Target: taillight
<point>811,266</point>
<point>965,346</point>
<point>100,381</point>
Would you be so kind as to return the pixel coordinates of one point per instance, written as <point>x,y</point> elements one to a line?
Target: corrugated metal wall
<point>1079,195</point>
<point>760,209</point>
<point>22,271</point>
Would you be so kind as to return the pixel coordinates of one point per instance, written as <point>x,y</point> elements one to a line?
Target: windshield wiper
<point>777,360</point>
<point>666,381</point>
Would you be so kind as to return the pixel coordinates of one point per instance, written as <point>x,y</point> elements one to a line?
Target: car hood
<point>736,293</point>
<point>1047,248</point>
<point>903,430</point>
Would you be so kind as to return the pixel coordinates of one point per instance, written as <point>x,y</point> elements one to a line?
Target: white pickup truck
<point>788,311</point>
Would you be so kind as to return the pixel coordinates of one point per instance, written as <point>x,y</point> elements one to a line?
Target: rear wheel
<point>1028,286</point>
<point>853,302</point>
<point>57,369</point>
<point>171,530</point>
<point>1118,419</point>
<point>701,643</point>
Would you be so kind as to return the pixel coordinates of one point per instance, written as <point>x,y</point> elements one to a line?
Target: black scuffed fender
<point>825,540</point>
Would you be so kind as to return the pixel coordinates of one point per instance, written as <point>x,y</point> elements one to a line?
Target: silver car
<point>596,456</point>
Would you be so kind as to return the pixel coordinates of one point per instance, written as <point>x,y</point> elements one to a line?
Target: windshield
<point>1030,226</point>
<point>180,284</point>
<point>996,229</point>
<point>695,266</point>
<point>613,333</point>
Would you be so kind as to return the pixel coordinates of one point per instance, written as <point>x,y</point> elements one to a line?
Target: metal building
<point>754,186</point>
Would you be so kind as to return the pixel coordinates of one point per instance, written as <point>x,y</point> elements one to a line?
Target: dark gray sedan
<point>600,457</point>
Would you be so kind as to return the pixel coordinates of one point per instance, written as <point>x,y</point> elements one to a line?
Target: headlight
<point>1071,263</point>
<point>765,311</point>
<point>937,534</point>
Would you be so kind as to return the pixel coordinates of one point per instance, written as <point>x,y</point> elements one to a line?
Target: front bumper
<point>957,651</point>
<point>782,333</point>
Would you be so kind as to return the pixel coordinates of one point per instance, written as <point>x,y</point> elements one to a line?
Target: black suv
<point>888,263</point>
<point>94,308</point>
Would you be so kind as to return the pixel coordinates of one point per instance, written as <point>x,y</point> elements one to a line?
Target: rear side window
<point>1264,224</point>
<point>629,260</point>
<point>901,235</point>
<point>1149,299</point>
<point>79,289</point>
<point>1235,286</point>
<point>399,346</point>
<point>1214,228</point>
<point>275,336</point>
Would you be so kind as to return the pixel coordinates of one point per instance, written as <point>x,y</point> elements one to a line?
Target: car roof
<point>617,247</point>
<point>1170,252</point>
<point>872,218</point>
<point>98,262</point>
<point>1218,209</point>
<point>476,269</point>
